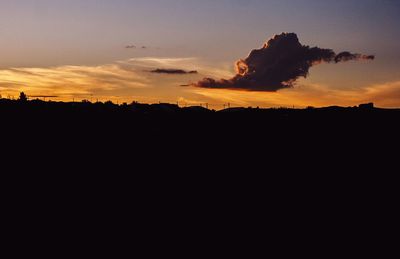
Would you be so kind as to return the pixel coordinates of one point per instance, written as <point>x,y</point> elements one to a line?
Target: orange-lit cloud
<point>124,80</point>
<point>383,95</point>
<point>127,79</point>
<point>68,81</point>
<point>130,80</point>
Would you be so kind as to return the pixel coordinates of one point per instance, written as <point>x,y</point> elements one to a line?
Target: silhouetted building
<point>366,106</point>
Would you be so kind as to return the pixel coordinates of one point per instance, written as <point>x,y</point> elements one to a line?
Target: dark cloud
<point>278,64</point>
<point>347,56</point>
<point>173,71</point>
<point>135,47</point>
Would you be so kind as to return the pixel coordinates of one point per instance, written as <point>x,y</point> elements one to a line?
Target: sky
<point>77,49</point>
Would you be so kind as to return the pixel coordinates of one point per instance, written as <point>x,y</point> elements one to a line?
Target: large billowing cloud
<point>278,64</point>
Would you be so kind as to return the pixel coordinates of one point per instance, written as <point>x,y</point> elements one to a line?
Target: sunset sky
<point>107,49</point>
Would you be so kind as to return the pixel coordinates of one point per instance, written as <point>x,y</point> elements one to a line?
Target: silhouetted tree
<point>23,97</point>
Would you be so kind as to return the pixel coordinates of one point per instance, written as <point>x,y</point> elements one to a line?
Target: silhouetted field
<point>102,122</point>
<point>331,135</point>
<point>330,160</point>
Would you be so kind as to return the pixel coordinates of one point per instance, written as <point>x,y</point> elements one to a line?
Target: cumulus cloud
<point>173,71</point>
<point>278,64</point>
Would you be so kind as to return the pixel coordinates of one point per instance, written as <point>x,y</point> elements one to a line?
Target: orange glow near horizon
<point>127,82</point>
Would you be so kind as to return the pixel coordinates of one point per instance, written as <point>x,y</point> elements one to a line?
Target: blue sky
<point>49,33</point>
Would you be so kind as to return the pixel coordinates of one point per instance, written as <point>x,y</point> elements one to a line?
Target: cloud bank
<point>278,64</point>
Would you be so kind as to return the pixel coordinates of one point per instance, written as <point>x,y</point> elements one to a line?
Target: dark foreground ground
<point>237,174</point>
<point>168,139</point>
<point>164,131</point>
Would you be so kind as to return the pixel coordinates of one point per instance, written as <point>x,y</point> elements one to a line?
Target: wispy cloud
<point>165,62</point>
<point>136,47</point>
<point>383,95</point>
<point>129,80</point>
<point>71,80</point>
